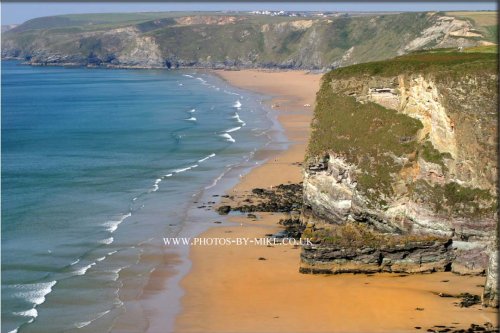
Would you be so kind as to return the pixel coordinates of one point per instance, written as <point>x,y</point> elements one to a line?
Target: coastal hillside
<point>401,170</point>
<point>239,40</point>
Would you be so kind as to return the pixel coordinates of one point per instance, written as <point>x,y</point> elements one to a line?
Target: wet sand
<point>256,288</point>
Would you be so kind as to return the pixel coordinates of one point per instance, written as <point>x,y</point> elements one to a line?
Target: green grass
<point>271,42</point>
<point>290,41</point>
<point>445,62</point>
<point>482,49</point>
<point>367,135</point>
<point>356,235</point>
<point>376,139</point>
<point>431,154</point>
<point>453,199</point>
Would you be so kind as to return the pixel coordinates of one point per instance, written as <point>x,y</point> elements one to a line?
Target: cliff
<point>406,149</point>
<point>237,40</point>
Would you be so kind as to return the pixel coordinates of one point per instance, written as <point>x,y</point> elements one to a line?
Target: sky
<point>15,13</point>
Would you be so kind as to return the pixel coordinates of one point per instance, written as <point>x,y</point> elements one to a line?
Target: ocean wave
<point>228,137</point>
<point>215,181</point>
<point>234,129</point>
<point>28,313</point>
<point>182,170</point>
<point>100,259</point>
<point>83,324</point>
<point>237,104</point>
<point>201,80</point>
<point>191,119</point>
<point>84,269</point>
<point>192,110</point>
<point>156,185</point>
<point>113,225</point>
<point>238,119</point>
<point>231,93</point>
<point>75,262</point>
<point>107,241</point>
<point>34,293</point>
<point>187,75</point>
<point>115,273</point>
<point>168,175</point>
<point>180,84</point>
<point>112,252</point>
<point>86,323</point>
<point>206,158</point>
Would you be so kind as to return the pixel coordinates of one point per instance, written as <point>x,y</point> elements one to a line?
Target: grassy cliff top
<point>451,61</point>
<point>382,142</point>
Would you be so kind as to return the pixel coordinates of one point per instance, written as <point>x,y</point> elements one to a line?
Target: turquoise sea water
<point>98,165</point>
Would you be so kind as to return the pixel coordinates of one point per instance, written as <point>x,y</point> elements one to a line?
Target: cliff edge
<point>401,173</point>
<point>236,39</point>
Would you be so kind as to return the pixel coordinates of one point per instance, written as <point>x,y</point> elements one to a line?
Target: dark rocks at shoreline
<point>280,199</point>
<point>474,328</point>
<point>467,299</point>
<point>293,227</point>
<point>224,210</point>
<point>283,198</point>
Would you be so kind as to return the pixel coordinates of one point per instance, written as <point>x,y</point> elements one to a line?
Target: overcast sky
<point>13,13</point>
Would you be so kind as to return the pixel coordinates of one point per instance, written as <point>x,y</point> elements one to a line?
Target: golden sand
<point>229,289</point>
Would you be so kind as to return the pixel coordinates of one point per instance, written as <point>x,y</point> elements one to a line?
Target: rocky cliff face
<point>238,41</point>
<point>405,147</point>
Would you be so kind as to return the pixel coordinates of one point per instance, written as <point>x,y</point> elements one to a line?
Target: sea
<point>98,166</point>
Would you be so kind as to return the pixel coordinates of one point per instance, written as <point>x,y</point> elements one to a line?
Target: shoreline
<point>259,289</point>
<point>146,312</point>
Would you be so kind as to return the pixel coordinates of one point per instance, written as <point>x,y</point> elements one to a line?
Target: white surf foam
<point>238,119</point>
<point>113,225</point>
<point>191,119</point>
<point>237,104</point>
<point>111,253</point>
<point>34,293</point>
<point>182,170</point>
<point>156,185</point>
<point>83,324</point>
<point>115,273</point>
<point>231,93</point>
<point>206,158</point>
<point>233,129</point>
<point>228,137</point>
<point>192,110</point>
<point>107,241</point>
<point>100,259</point>
<point>75,262</point>
<point>216,180</point>
<point>187,75</point>
<point>28,313</point>
<point>83,270</point>
<point>97,316</point>
<point>168,175</point>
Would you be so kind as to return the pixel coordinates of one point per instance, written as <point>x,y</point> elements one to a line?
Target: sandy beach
<point>258,288</point>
